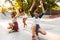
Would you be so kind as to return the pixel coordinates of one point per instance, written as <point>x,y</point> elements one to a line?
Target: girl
<point>36,27</point>
<point>14,24</point>
<point>23,15</point>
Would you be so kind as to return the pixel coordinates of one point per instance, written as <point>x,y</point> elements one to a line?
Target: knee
<point>44,33</point>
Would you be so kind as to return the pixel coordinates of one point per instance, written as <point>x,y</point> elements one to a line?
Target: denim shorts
<point>37,27</point>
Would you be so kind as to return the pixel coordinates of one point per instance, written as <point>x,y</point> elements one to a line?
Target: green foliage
<point>56,8</point>
<point>48,4</point>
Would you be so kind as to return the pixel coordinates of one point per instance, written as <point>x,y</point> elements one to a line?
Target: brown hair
<point>36,11</point>
<point>13,13</point>
<point>21,10</point>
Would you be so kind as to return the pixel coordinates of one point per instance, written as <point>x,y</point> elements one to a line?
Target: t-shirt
<point>36,21</point>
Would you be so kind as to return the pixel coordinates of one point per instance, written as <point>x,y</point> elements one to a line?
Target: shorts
<point>15,28</point>
<point>37,28</point>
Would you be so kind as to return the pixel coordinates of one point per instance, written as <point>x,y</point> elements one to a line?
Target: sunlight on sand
<point>51,36</point>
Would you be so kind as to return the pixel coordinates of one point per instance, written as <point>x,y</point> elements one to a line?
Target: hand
<point>41,3</point>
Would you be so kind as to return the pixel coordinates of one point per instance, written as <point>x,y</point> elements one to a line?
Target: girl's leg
<point>10,26</point>
<point>42,31</point>
<point>24,21</point>
<point>33,32</point>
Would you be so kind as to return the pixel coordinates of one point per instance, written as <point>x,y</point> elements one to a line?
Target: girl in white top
<point>36,27</point>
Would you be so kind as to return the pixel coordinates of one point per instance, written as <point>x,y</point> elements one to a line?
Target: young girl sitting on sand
<point>14,25</point>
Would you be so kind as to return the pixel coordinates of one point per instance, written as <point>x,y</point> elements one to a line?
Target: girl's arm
<point>17,15</point>
<point>32,5</point>
<point>43,10</point>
